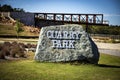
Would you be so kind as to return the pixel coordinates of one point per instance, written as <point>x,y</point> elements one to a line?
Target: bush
<point>14,43</point>
<point>114,30</point>
<point>0,47</point>
<point>28,45</point>
<point>22,45</point>
<point>34,45</point>
<point>17,50</point>
<point>8,44</point>
<point>14,49</point>
<point>2,56</point>
<point>4,50</point>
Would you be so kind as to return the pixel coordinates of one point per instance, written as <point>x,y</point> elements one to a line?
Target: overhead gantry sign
<point>89,19</point>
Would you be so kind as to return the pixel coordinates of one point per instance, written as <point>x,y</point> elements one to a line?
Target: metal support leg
<point>86,28</point>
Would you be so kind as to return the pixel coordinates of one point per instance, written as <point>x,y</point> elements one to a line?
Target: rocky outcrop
<point>64,43</point>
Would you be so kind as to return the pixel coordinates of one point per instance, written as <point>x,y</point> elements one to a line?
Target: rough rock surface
<point>82,49</point>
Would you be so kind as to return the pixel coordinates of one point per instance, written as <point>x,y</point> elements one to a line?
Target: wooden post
<point>54,17</point>
<point>45,16</point>
<point>86,28</point>
<point>87,19</point>
<point>79,18</point>
<point>102,19</point>
<point>86,23</point>
<point>62,17</point>
<point>35,19</point>
<point>71,18</point>
<point>94,19</point>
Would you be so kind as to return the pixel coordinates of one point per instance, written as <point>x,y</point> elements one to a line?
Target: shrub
<point>17,50</point>
<point>8,44</point>
<point>22,45</point>
<point>6,48</point>
<point>34,45</point>
<point>14,43</point>
<point>14,49</point>
<point>1,46</point>
<point>2,56</point>
<point>29,45</point>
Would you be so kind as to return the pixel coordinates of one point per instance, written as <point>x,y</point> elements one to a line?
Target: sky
<point>109,8</point>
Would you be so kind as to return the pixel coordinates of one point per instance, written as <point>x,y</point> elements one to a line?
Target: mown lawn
<point>108,69</point>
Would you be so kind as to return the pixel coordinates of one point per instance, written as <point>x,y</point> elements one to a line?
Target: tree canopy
<point>112,29</point>
<point>9,8</point>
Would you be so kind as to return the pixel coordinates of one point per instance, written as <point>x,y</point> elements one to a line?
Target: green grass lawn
<point>108,69</point>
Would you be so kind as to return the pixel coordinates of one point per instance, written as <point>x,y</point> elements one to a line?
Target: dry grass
<point>8,29</point>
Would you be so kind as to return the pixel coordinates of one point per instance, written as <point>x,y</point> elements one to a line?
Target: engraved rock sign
<point>63,43</point>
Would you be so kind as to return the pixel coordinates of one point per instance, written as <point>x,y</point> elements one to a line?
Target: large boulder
<point>64,43</point>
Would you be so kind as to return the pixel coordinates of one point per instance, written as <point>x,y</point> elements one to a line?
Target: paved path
<point>110,52</point>
<point>108,45</point>
<point>109,48</point>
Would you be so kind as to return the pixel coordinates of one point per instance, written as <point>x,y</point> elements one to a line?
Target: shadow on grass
<point>108,66</point>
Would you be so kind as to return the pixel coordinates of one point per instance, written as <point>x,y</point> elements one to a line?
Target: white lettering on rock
<point>68,44</point>
<point>63,39</point>
<point>50,34</point>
